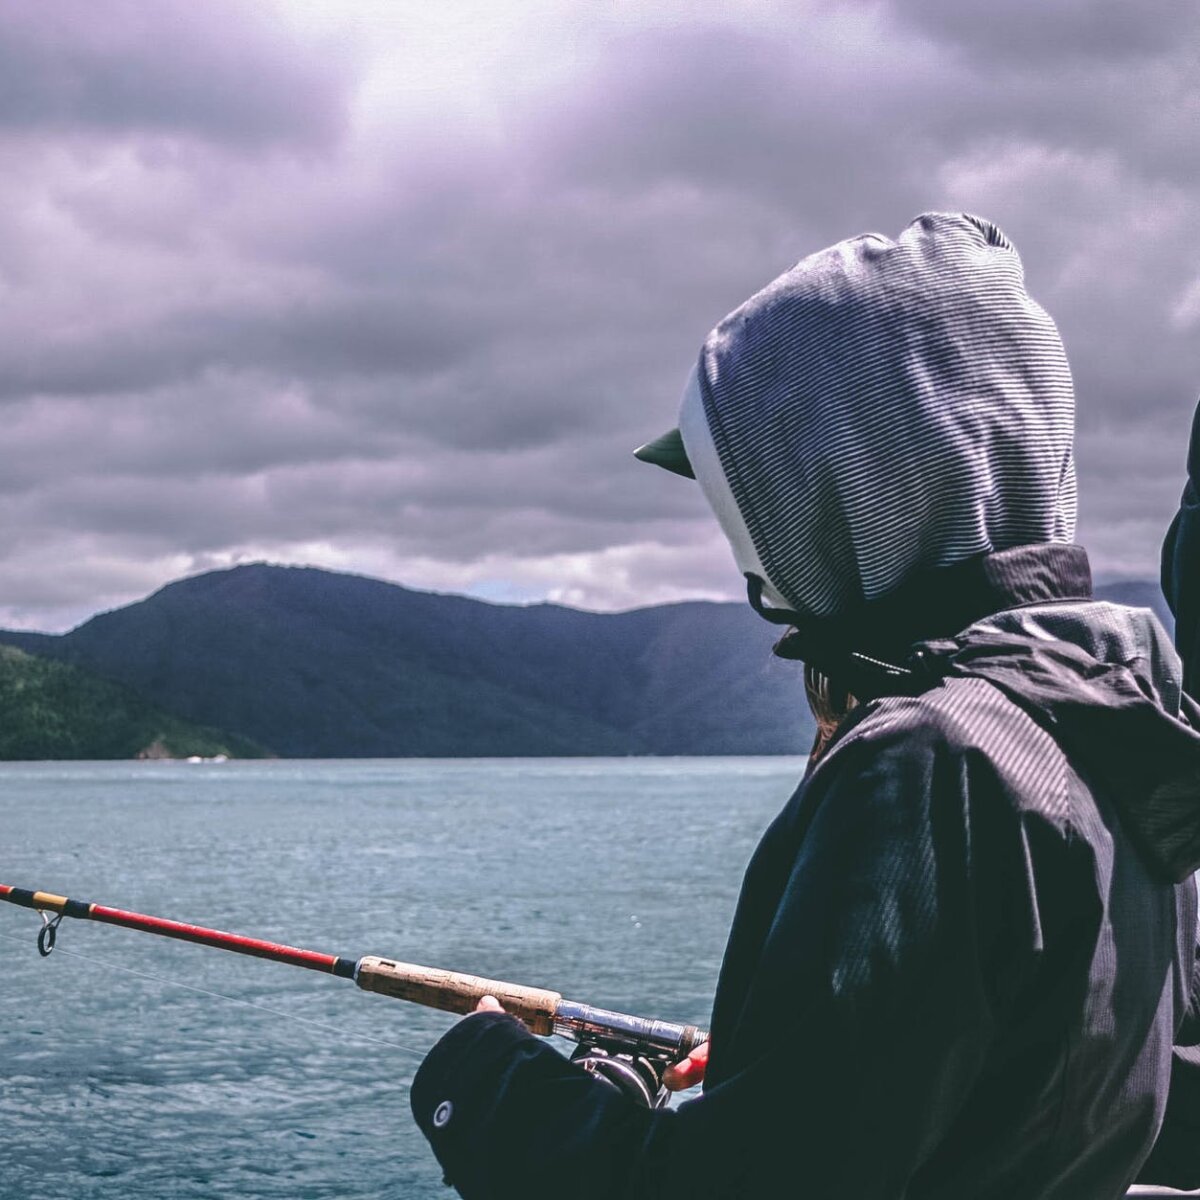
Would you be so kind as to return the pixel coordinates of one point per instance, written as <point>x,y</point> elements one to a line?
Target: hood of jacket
<point>1105,682</point>
<point>884,407</point>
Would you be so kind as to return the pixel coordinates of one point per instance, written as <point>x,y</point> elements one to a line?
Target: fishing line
<point>365,1037</point>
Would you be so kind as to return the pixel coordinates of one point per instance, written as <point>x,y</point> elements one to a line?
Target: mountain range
<point>310,663</point>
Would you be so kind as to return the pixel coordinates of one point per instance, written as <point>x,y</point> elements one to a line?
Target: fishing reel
<point>628,1053</point>
<point>636,1076</point>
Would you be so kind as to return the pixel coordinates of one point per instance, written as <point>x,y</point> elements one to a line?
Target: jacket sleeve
<point>862,1032</point>
<point>1175,1159</point>
<point>1181,566</point>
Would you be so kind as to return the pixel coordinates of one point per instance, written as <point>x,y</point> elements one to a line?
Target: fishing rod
<point>630,1053</point>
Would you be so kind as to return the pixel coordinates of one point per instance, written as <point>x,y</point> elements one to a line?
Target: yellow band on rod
<point>49,900</point>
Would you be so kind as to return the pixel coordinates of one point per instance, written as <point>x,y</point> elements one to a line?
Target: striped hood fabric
<point>884,407</point>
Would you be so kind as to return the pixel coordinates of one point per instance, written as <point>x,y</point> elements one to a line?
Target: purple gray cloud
<point>397,292</point>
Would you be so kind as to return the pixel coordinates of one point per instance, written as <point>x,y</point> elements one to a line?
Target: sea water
<point>132,1066</point>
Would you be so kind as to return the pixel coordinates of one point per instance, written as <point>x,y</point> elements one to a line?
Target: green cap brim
<point>667,452</point>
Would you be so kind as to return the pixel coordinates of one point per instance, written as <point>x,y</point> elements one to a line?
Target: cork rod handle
<point>452,992</point>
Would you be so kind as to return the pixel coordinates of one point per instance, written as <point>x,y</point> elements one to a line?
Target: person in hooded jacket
<point>965,948</point>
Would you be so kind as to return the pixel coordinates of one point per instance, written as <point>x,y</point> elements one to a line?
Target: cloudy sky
<point>393,286</point>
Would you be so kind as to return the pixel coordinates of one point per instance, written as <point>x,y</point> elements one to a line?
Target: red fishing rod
<point>629,1052</point>
<point>48,902</point>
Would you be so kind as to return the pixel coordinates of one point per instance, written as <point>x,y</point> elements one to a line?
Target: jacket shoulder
<point>963,729</point>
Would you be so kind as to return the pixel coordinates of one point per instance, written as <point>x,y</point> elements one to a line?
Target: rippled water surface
<point>121,1076</point>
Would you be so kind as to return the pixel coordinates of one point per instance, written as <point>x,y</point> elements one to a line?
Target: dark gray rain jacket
<point>963,952</point>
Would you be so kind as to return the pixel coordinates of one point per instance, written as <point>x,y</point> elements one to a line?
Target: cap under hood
<point>884,407</point>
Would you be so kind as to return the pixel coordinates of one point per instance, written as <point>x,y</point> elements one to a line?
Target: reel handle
<point>456,993</point>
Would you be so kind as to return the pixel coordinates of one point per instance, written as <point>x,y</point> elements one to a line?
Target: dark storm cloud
<point>309,339</point>
<point>271,295</point>
<point>221,71</point>
<point>750,120</point>
<point>1031,33</point>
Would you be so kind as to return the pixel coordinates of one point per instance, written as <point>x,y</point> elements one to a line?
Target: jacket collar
<point>865,645</point>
